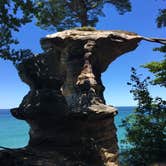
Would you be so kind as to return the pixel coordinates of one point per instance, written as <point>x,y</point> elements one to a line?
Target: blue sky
<point>141,20</point>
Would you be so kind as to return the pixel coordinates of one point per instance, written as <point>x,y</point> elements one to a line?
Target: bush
<point>145,128</point>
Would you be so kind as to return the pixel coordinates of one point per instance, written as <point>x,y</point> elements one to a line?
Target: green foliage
<point>66,14</point>
<point>159,68</point>
<point>13,14</point>
<point>85,28</point>
<point>161,19</point>
<point>56,14</point>
<point>145,128</point>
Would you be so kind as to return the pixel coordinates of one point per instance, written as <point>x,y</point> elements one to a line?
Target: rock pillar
<point>65,107</point>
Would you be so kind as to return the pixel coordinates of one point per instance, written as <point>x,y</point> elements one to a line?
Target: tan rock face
<point>65,107</point>
<point>87,54</point>
<point>106,47</point>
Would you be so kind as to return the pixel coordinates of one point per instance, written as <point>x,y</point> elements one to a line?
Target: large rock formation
<point>65,107</point>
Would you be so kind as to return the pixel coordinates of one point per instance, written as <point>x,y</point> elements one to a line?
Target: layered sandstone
<point>65,107</point>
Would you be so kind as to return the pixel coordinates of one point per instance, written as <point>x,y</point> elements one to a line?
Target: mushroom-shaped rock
<point>65,107</point>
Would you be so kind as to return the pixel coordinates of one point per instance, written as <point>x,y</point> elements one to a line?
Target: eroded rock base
<point>81,139</point>
<point>24,157</point>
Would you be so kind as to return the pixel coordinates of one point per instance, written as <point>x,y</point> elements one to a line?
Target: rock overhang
<point>109,45</point>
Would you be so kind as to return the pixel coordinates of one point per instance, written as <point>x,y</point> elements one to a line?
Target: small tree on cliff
<point>64,14</point>
<point>145,128</point>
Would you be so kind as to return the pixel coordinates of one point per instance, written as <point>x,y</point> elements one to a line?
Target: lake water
<point>14,133</point>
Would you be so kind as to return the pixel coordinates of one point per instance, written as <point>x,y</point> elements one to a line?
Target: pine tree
<point>65,14</point>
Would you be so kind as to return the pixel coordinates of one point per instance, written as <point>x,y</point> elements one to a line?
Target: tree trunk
<point>83,14</point>
<point>84,20</point>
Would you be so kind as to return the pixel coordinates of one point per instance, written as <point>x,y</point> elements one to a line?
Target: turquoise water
<point>14,133</point>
